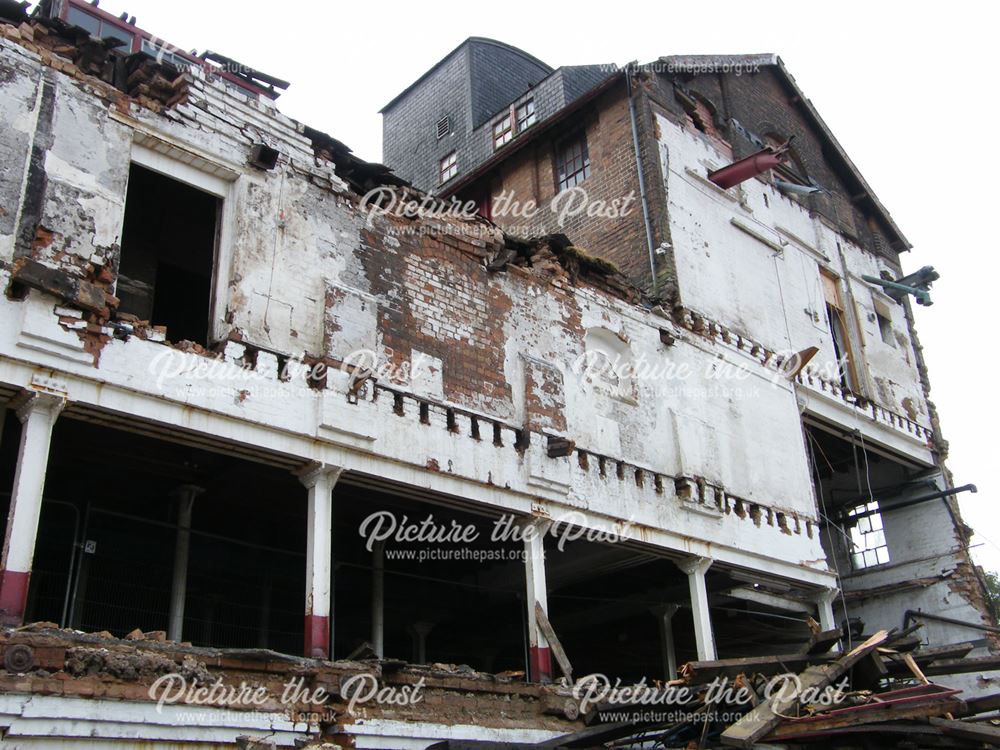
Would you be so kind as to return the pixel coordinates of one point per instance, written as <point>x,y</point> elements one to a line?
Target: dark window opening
<point>837,320</point>
<point>573,163</point>
<point>168,251</point>
<point>841,348</point>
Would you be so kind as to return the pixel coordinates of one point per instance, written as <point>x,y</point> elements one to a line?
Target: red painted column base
<point>13,596</point>
<point>318,637</point>
<point>540,664</point>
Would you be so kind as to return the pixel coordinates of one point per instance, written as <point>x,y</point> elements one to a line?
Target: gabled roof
<point>732,63</point>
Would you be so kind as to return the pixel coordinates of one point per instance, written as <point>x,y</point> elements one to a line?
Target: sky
<point>905,87</point>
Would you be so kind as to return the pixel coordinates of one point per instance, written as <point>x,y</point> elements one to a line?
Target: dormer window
<point>514,122</point>
<point>525,115</point>
<point>503,131</point>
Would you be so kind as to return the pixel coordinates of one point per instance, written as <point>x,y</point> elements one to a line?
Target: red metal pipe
<point>748,167</point>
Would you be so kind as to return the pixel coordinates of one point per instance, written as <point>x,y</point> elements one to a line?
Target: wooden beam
<point>968,730</point>
<point>822,642</point>
<point>705,671</point>
<point>762,720</point>
<point>550,635</point>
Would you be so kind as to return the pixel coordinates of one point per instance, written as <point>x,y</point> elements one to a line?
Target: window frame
<point>448,171</point>
<point>866,532</point>
<point>840,333</point>
<point>563,181</point>
<point>510,124</point>
<point>503,131</point>
<point>220,182</point>
<point>529,119</point>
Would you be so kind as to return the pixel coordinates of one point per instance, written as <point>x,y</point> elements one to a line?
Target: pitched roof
<point>732,63</point>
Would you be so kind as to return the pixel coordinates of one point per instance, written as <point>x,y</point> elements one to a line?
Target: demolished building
<point>281,418</point>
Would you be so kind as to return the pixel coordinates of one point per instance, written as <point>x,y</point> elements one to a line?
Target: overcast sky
<point>908,89</point>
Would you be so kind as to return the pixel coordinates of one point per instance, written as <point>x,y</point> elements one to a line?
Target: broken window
<point>99,28</point>
<point>572,162</point>
<point>169,240</point>
<point>838,331</point>
<point>868,547</point>
<point>449,166</point>
<point>503,131</point>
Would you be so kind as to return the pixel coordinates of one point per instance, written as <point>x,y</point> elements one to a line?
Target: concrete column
<point>178,589</point>
<point>824,604</point>
<point>700,613</point>
<point>419,631</point>
<point>664,619</point>
<point>378,599</point>
<point>539,652</point>
<point>319,479</point>
<point>38,415</point>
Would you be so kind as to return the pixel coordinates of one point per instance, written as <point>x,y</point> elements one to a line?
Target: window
<point>839,333</point>
<point>525,115</point>
<point>503,132</point>
<point>868,547</point>
<point>514,122</point>
<point>162,54</point>
<point>572,163</point>
<point>449,167</point>
<point>443,127</point>
<point>168,254</point>
<point>99,28</point>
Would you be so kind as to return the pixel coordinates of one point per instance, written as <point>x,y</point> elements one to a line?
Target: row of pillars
<point>38,413</point>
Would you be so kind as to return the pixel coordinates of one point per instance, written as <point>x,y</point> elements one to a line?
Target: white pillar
<point>824,605</point>
<point>539,653</point>
<point>700,613</point>
<point>178,589</point>
<point>319,479</point>
<point>664,619</point>
<point>378,599</point>
<point>38,415</point>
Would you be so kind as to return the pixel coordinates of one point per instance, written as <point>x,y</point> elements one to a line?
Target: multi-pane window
<point>868,546</point>
<point>572,163</point>
<point>503,131</point>
<point>526,115</point>
<point>449,167</point>
<point>514,122</point>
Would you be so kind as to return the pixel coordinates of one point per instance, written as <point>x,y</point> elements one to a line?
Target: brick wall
<point>530,176</point>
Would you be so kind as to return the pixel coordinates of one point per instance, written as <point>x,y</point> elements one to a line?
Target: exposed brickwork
<point>530,176</point>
